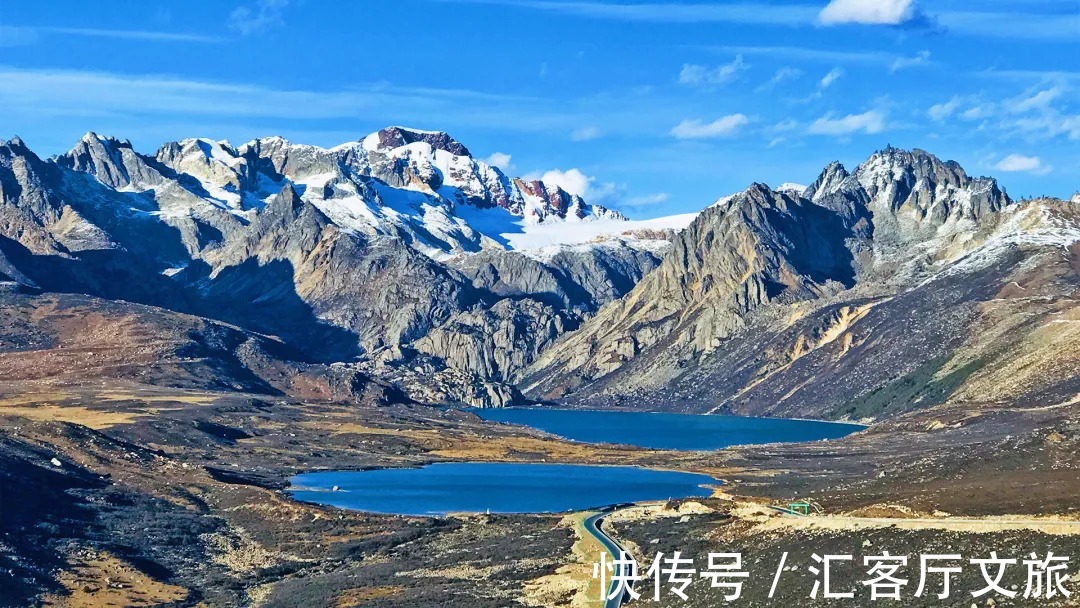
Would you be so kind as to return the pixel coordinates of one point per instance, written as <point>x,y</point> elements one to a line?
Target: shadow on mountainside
<point>258,298</point>
<point>263,298</point>
<point>38,508</point>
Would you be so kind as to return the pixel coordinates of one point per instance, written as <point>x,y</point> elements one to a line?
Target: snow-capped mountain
<point>401,256</point>
<point>423,186</point>
<point>838,299</point>
<point>361,250</point>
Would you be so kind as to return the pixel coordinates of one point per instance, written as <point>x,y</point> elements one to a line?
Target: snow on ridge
<point>1027,224</point>
<point>437,211</point>
<point>220,151</point>
<point>545,239</point>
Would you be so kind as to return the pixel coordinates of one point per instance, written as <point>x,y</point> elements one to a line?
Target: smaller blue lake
<point>667,431</point>
<point>476,487</point>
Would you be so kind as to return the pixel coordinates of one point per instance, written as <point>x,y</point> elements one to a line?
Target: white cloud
<point>721,127</point>
<point>980,18</point>
<point>501,160</point>
<point>1037,101</point>
<point>576,182</point>
<point>1070,125</point>
<point>870,122</point>
<point>585,134</point>
<point>646,200</point>
<point>1018,163</point>
<point>14,36</point>
<point>177,107</point>
<point>900,63</point>
<point>830,78</point>
<point>977,112</point>
<point>870,12</point>
<point>263,15</point>
<point>670,12</point>
<point>941,111</point>
<point>783,74</point>
<point>571,180</point>
<point>697,75</point>
<point>785,126</point>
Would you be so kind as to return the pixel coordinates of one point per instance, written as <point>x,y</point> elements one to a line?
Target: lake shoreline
<point>594,410</point>
<point>666,430</point>
<point>443,489</point>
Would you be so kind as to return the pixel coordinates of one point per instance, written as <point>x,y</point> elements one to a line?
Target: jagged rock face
<point>296,272</point>
<point>396,137</point>
<point>339,251</point>
<point>829,182</point>
<point>32,210</point>
<point>910,197</point>
<point>755,247</point>
<point>114,163</point>
<point>435,163</point>
<point>379,256</point>
<point>867,298</point>
<point>576,279</point>
<point>157,190</point>
<point>497,342</point>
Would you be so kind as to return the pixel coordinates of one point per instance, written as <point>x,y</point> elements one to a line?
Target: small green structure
<point>801,507</point>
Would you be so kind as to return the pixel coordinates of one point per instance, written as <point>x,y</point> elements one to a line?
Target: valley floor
<point>122,494</point>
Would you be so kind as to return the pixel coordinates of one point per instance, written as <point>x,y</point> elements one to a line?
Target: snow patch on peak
<point>1035,223</point>
<point>723,200</point>
<point>220,151</point>
<point>543,240</point>
<point>90,137</point>
<point>371,143</point>
<point>396,137</point>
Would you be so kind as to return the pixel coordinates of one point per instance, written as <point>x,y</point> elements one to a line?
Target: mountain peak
<point>829,181</point>
<point>107,141</point>
<point>14,142</point>
<point>289,195</point>
<point>396,137</point>
<point>918,162</point>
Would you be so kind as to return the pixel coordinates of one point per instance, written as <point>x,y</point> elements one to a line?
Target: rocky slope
<point>902,284</point>
<point>404,260</point>
<point>374,253</point>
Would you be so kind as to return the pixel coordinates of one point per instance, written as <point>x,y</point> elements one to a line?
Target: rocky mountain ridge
<point>350,254</point>
<point>400,260</point>
<point>857,298</point>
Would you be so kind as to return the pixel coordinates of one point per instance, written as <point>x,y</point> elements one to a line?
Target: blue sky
<point>653,108</point>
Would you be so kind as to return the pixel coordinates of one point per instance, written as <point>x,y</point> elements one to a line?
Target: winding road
<point>592,526</point>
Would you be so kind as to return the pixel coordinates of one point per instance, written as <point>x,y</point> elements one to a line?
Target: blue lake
<point>667,431</point>
<point>476,487</point>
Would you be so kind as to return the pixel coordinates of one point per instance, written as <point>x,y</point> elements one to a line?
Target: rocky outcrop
<point>400,262</point>
<point>865,296</point>
<point>33,212</point>
<point>333,293</point>
<point>496,342</point>
<point>341,251</point>
<point>112,162</point>
<point>755,247</point>
<point>577,279</point>
<point>396,137</point>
